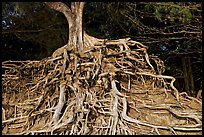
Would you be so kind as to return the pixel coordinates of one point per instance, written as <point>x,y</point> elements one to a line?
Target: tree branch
<point>61,7</point>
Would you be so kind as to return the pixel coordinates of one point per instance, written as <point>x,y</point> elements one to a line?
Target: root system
<point>111,88</point>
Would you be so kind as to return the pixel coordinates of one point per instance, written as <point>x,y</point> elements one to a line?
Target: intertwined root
<point>109,88</point>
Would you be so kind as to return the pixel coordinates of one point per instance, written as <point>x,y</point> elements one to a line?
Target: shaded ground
<point>109,88</point>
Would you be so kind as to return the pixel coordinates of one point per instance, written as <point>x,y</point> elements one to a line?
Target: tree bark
<point>190,78</point>
<point>185,74</point>
<point>74,19</point>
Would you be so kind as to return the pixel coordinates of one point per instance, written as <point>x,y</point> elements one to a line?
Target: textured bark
<point>74,19</point>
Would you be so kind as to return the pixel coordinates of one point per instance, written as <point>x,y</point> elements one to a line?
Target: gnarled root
<point>110,88</point>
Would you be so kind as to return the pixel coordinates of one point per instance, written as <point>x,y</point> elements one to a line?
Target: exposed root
<point>110,88</point>
<point>61,103</point>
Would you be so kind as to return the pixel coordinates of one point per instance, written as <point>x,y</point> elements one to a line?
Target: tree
<point>96,93</point>
<point>73,15</point>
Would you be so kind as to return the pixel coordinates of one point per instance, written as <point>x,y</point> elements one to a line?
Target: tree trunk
<point>75,26</point>
<point>74,19</point>
<point>185,74</point>
<point>190,78</point>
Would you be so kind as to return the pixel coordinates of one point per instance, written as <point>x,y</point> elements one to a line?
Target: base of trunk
<point>89,41</point>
